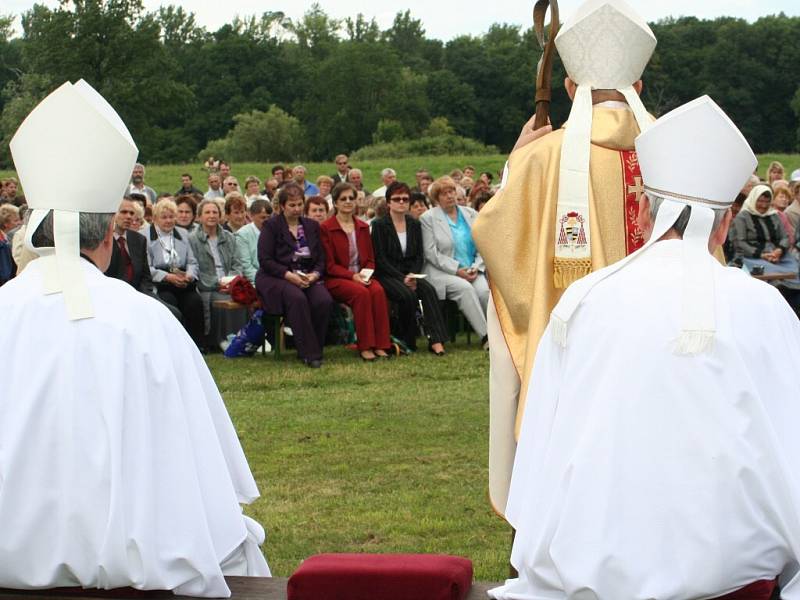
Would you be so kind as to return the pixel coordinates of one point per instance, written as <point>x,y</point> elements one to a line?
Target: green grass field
<point>369,457</point>
<point>168,177</point>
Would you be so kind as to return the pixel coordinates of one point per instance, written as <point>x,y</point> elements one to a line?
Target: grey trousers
<point>472,299</point>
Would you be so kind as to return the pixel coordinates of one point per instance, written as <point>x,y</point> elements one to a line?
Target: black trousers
<point>406,300</point>
<point>190,305</point>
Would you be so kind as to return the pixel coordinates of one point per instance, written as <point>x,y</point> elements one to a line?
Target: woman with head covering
<point>760,242</point>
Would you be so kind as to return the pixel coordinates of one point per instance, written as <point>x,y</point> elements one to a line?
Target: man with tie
<point>129,258</point>
<point>129,254</point>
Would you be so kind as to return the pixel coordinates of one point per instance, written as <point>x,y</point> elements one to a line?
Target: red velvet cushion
<point>384,576</point>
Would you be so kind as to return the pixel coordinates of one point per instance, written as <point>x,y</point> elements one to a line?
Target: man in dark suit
<point>342,169</point>
<point>129,254</point>
<point>129,257</point>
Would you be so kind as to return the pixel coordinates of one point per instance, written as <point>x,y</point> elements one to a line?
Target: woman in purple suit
<point>289,280</point>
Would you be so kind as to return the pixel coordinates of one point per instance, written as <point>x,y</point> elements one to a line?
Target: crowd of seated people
<point>310,246</point>
<point>763,236</point>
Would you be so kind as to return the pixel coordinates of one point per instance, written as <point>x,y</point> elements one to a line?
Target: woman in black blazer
<point>399,254</point>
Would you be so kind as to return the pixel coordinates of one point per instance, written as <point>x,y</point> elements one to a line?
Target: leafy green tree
<point>259,136</point>
<point>20,96</point>
<point>389,130</point>
<point>117,48</point>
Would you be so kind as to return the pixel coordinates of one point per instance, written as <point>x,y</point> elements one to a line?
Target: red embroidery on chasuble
<point>632,193</point>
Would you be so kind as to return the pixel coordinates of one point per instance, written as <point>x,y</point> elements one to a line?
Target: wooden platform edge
<point>242,588</point>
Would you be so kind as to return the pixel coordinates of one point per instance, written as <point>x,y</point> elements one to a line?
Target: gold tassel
<point>567,271</point>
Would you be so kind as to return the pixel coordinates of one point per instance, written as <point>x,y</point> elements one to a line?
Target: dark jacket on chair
<point>389,257</point>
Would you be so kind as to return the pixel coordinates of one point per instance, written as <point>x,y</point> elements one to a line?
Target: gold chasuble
<point>516,231</point>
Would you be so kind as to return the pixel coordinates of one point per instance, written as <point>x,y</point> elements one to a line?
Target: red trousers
<point>758,590</point>
<point>370,310</point>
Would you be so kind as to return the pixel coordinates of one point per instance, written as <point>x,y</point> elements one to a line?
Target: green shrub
<point>429,146</point>
<point>260,136</point>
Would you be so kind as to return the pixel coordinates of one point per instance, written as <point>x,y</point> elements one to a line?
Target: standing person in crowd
<point>325,185</point>
<point>173,269</point>
<point>278,173</point>
<point>217,262</point>
<point>187,186</point>
<point>452,262</point>
<point>348,250</point>
<point>138,185</point>
<point>316,208</point>
<point>270,188</point>
<point>419,204</point>
<point>289,280</point>
<point>224,170</point>
<point>299,175</point>
<point>469,171</point>
<point>486,177</point>
<point>187,212</point>
<point>214,187</point>
<point>230,184</point>
<point>235,212</point>
<point>775,171</point>
<point>247,238</point>
<point>342,168</point>
<point>388,176</point>
<point>251,190</point>
<point>399,256</point>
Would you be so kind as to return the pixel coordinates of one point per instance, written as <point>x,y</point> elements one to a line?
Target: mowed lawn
<point>369,457</point>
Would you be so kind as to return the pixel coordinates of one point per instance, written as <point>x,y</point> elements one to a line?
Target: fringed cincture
<point>558,328</point>
<point>567,271</point>
<point>694,342</point>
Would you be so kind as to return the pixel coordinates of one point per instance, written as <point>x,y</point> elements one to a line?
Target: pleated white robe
<point>119,464</point>
<point>642,474</point>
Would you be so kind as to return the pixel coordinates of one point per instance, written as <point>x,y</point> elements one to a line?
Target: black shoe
<point>314,363</point>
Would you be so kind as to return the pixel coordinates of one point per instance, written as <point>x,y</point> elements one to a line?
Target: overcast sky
<point>445,19</point>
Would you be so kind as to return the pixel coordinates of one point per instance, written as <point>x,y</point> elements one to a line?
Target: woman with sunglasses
<point>348,250</point>
<point>399,256</point>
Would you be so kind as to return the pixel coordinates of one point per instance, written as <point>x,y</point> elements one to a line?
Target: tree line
<point>335,86</point>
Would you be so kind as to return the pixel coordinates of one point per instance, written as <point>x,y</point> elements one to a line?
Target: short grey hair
<point>93,228</point>
<point>683,219</point>
<point>388,171</point>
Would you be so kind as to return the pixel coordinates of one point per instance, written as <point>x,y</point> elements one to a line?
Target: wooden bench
<point>242,588</point>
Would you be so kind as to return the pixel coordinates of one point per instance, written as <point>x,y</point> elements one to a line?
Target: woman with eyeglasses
<point>348,251</point>
<point>174,269</point>
<point>399,258</point>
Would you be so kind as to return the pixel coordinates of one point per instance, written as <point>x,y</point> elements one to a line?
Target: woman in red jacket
<point>348,250</point>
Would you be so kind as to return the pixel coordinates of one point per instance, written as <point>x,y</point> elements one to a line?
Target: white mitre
<point>604,46</point>
<point>76,138</point>
<point>695,156</point>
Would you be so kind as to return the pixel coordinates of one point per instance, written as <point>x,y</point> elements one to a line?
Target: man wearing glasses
<point>342,169</point>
